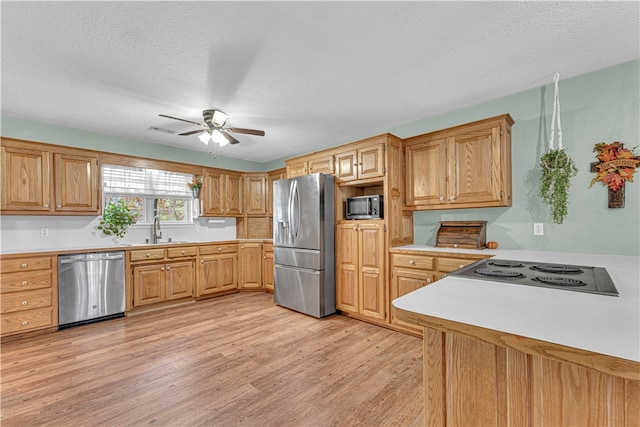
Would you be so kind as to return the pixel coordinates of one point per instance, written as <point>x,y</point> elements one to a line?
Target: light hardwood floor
<point>237,360</point>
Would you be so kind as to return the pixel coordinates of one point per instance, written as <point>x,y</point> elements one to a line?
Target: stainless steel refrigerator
<point>303,240</point>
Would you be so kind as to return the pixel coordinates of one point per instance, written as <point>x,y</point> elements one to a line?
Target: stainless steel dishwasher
<point>90,287</point>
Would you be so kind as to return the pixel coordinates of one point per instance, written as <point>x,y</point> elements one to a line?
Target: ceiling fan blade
<point>193,132</point>
<point>231,139</point>
<point>248,131</point>
<point>182,120</point>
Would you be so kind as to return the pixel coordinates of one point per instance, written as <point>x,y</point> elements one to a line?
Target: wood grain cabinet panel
<point>26,179</point>
<point>179,280</point>
<point>222,193</point>
<point>250,260</point>
<point>148,284</point>
<point>267,267</point>
<point>361,163</point>
<point>461,167</point>
<point>217,269</point>
<point>255,194</point>
<point>77,183</point>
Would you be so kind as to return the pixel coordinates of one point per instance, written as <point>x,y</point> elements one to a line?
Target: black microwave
<point>365,207</point>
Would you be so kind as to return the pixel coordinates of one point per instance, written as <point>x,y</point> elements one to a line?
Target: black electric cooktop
<point>578,278</point>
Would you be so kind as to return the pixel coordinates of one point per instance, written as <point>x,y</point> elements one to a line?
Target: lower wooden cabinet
<point>217,269</point>
<point>250,260</point>
<point>162,282</point>
<point>267,267</point>
<point>408,273</point>
<point>28,294</point>
<point>360,269</point>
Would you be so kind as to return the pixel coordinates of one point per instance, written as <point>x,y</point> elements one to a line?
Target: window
<point>149,192</point>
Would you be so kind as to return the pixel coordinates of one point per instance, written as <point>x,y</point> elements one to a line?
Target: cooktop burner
<point>557,276</point>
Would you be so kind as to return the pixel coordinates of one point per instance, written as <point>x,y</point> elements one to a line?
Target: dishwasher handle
<point>72,260</point>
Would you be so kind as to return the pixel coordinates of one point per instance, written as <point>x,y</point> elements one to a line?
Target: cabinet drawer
<point>19,301</point>
<point>412,261</point>
<point>447,265</point>
<point>14,282</point>
<point>146,254</point>
<point>25,264</point>
<point>218,249</point>
<point>27,320</point>
<point>186,251</point>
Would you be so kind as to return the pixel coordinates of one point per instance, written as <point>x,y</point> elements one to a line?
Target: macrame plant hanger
<point>556,112</point>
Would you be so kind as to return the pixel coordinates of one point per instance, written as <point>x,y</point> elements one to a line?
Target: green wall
<point>595,107</point>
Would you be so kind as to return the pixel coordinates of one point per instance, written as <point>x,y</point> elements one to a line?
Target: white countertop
<point>598,323</point>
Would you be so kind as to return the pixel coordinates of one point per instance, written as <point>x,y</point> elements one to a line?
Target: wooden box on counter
<point>462,234</point>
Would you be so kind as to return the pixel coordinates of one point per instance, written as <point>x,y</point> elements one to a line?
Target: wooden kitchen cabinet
<point>318,163</point>
<point>267,267</point>
<point>217,269</point>
<point>162,282</point>
<point>77,183</point>
<point>361,163</point>
<point>461,167</point>
<point>255,185</point>
<point>408,273</point>
<point>28,294</point>
<point>360,269</point>
<point>49,180</point>
<point>250,261</point>
<point>222,193</point>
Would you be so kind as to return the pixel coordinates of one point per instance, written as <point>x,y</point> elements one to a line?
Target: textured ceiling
<point>311,74</point>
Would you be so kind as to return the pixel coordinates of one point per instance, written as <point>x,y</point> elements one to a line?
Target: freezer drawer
<point>304,290</point>
<point>302,258</point>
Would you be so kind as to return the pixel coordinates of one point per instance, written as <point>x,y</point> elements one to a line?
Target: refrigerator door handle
<point>295,226</point>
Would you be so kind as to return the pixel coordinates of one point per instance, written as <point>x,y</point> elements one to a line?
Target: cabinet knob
<point>25,323</point>
<point>59,206</point>
<point>441,197</point>
<point>452,197</point>
<point>24,283</point>
<point>182,252</point>
<point>46,206</point>
<point>147,255</point>
<point>461,265</point>
<point>25,302</point>
<point>162,268</point>
<point>201,261</point>
<point>23,265</point>
<point>411,262</point>
<point>219,249</point>
<point>355,228</point>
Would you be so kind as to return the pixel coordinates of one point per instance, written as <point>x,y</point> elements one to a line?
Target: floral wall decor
<point>615,166</point>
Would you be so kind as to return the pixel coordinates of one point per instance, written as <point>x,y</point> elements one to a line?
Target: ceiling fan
<point>213,128</point>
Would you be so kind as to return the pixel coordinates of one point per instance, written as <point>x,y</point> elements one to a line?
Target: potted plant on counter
<point>117,218</point>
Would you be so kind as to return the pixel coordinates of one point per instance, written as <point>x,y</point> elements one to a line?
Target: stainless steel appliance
<point>303,239</point>
<point>90,287</point>
<point>577,278</point>
<point>365,207</point>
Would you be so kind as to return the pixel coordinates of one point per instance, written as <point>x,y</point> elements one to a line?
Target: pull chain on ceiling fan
<point>214,130</point>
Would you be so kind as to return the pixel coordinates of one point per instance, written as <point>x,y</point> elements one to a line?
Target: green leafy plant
<point>117,217</point>
<point>557,170</point>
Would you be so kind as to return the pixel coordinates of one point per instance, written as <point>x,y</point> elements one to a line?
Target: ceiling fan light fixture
<point>204,138</point>
<point>218,137</point>
<point>219,118</point>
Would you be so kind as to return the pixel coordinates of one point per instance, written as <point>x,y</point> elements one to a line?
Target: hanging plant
<point>557,170</point>
<point>117,217</point>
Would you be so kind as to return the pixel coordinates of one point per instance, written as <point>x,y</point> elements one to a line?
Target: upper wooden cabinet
<point>322,163</point>
<point>461,167</point>
<point>361,163</point>
<point>77,183</point>
<point>34,175</point>
<point>221,193</point>
<point>255,187</point>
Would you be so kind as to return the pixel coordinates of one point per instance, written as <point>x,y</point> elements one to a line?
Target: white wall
<point>22,233</point>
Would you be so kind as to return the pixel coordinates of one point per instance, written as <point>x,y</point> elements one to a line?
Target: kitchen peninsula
<point>506,354</point>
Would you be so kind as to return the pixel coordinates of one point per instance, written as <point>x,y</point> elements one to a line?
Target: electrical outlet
<point>538,229</point>
<point>44,232</point>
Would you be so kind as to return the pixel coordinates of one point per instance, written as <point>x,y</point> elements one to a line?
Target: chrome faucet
<point>156,234</point>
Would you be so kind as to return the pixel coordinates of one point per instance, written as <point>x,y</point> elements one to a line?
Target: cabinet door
<point>234,198</point>
<point>346,165</point>
<point>267,270</point>
<point>296,168</point>
<point>179,280</point>
<point>77,183</point>
<point>256,194</point>
<point>250,266</point>
<point>26,180</point>
<point>213,193</point>
<point>323,164</point>
<point>425,173</point>
<point>347,267</point>
<point>148,284</point>
<point>474,165</point>
<point>208,282</point>
<point>404,281</point>
<point>371,161</point>
<point>372,278</point>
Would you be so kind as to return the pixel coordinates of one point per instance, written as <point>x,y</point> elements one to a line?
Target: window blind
<point>118,179</point>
